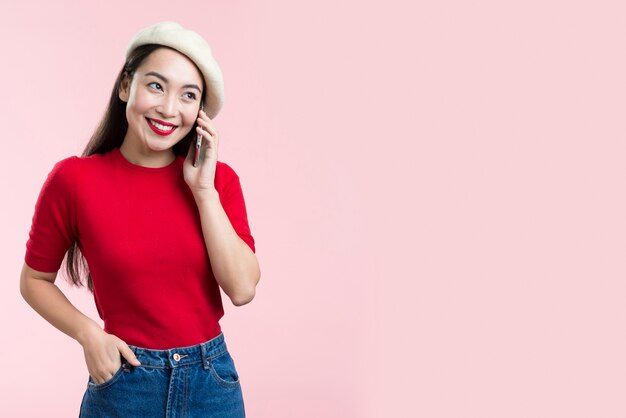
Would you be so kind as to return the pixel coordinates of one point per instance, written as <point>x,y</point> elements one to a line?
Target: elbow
<point>243,298</point>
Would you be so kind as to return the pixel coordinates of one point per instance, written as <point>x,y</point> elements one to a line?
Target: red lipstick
<point>160,131</point>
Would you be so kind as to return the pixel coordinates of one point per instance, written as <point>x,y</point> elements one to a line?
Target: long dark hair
<point>110,134</point>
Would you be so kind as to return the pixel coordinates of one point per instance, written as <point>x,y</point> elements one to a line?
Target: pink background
<point>436,190</point>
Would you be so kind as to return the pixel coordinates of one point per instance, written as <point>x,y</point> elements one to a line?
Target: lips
<point>163,129</point>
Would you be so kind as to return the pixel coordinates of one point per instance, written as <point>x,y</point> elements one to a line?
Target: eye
<point>191,95</point>
<point>154,82</point>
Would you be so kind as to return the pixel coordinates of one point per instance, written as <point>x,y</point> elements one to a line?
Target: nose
<point>168,106</point>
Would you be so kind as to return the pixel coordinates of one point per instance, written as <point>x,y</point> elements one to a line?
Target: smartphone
<point>196,155</point>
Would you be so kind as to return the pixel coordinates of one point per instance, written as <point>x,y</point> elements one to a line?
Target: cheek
<point>134,116</point>
<point>139,101</point>
<point>189,118</point>
<point>140,105</point>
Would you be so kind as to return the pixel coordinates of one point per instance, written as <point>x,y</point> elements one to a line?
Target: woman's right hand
<point>102,354</point>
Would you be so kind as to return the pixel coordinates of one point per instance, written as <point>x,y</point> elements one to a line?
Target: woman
<point>160,235</point>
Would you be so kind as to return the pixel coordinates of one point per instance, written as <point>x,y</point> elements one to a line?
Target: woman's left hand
<point>201,179</point>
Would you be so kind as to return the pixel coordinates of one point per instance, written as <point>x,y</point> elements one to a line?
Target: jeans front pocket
<point>222,368</point>
<point>98,386</point>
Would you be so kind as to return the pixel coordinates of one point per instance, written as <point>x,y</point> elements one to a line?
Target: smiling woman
<point>155,237</point>
<point>159,113</point>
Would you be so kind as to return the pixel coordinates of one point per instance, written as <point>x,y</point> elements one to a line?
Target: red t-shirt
<point>140,232</point>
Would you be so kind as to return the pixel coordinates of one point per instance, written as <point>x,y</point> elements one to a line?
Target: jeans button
<point>176,356</point>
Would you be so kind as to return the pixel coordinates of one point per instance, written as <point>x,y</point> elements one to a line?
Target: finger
<point>204,114</point>
<point>208,127</point>
<point>103,377</point>
<point>108,376</point>
<point>206,136</point>
<point>214,134</point>
<point>210,141</point>
<point>129,354</point>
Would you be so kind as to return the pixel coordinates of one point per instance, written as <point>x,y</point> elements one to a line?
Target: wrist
<point>87,330</point>
<point>205,195</point>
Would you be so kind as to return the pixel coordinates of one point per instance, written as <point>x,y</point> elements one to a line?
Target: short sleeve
<point>53,229</point>
<point>231,197</point>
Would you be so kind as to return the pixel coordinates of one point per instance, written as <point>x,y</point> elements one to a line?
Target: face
<point>162,101</point>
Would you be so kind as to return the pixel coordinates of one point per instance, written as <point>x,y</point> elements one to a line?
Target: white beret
<point>195,48</point>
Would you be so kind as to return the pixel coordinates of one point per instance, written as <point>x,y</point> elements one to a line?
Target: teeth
<point>161,127</point>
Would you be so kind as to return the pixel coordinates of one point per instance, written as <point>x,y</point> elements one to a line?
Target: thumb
<point>128,354</point>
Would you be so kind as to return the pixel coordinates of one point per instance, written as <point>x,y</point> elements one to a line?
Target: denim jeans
<point>190,382</point>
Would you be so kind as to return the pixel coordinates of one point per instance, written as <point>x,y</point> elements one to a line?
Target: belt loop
<point>205,356</point>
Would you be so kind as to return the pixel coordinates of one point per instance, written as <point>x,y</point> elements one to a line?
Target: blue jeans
<point>190,382</point>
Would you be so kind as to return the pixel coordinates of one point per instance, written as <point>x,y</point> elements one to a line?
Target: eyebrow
<point>157,75</point>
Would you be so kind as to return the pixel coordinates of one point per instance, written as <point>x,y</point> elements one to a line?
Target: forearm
<point>50,302</point>
<point>234,264</point>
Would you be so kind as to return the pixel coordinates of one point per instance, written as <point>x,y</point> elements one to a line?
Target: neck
<point>152,159</point>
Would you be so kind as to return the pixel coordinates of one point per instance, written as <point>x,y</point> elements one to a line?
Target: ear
<point>124,88</point>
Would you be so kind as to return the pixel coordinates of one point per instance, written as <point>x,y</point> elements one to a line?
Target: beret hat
<point>192,45</point>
